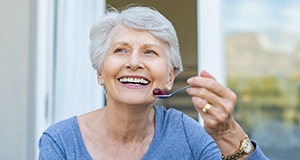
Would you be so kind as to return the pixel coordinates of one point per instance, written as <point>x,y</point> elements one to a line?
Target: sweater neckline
<point>153,142</point>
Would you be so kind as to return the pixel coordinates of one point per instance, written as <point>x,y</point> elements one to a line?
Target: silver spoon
<point>164,96</point>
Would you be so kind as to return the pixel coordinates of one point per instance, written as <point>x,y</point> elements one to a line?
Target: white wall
<point>15,77</point>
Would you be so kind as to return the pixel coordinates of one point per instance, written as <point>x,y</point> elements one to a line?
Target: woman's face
<point>134,65</point>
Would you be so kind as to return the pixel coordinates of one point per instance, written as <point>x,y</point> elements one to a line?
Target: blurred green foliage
<point>270,96</point>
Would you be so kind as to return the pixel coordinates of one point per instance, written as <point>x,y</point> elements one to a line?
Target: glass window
<point>262,48</point>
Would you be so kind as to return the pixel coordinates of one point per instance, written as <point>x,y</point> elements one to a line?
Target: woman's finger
<point>204,94</point>
<point>204,73</point>
<point>211,85</point>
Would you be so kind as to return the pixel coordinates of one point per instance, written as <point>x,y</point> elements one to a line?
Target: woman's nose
<point>135,61</point>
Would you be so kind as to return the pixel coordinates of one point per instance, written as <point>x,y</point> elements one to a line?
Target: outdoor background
<point>262,48</point>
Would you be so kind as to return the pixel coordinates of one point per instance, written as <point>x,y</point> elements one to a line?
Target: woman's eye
<point>150,52</point>
<point>120,50</point>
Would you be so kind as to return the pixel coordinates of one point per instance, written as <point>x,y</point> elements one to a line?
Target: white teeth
<point>134,80</point>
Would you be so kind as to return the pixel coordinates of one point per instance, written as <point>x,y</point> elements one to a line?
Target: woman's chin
<point>136,101</point>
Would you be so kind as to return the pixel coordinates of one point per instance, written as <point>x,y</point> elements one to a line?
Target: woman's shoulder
<point>63,131</point>
<point>183,132</point>
<point>63,126</point>
<point>177,120</point>
<point>167,111</point>
<point>62,140</point>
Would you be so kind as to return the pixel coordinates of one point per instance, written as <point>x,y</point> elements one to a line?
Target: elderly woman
<point>134,52</point>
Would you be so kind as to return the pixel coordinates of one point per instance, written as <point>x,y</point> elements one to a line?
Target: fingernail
<point>189,80</point>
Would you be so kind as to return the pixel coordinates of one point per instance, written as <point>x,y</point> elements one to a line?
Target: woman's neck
<point>128,124</point>
<point>118,131</point>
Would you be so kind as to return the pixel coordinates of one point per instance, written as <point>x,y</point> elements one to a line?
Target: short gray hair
<point>139,18</point>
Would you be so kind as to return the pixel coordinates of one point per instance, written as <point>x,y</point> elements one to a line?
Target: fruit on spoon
<point>158,91</point>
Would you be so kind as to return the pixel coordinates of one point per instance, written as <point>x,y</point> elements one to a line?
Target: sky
<point>254,15</point>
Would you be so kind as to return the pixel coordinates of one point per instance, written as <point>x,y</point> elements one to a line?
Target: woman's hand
<point>218,120</point>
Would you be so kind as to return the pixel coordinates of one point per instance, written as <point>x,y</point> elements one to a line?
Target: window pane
<point>262,47</point>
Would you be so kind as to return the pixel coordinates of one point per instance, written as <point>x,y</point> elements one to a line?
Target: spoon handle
<point>180,89</point>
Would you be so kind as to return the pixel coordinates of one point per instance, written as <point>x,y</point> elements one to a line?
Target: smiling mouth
<point>134,80</point>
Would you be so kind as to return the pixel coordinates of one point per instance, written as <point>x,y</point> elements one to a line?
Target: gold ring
<point>206,108</point>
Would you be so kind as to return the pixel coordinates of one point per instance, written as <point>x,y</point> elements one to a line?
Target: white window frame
<point>44,53</point>
<point>210,40</point>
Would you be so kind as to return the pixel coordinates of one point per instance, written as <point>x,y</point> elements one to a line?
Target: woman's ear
<point>100,78</point>
<point>171,79</point>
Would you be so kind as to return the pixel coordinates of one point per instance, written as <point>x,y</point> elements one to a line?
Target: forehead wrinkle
<point>120,43</point>
<point>150,45</point>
